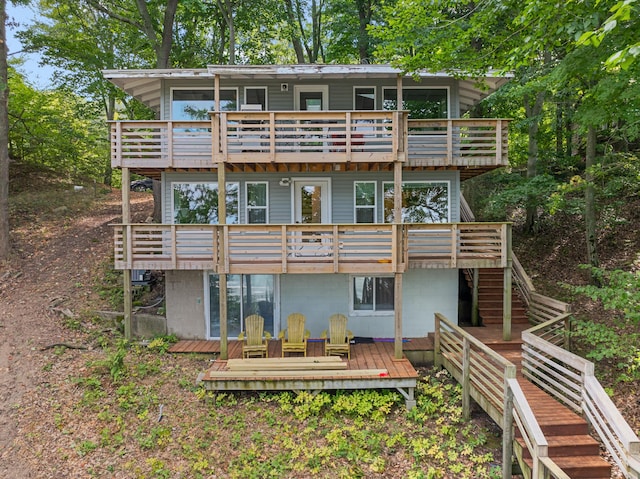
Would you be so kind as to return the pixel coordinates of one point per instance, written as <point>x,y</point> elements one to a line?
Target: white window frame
<point>375,96</point>
<point>246,202</point>
<point>214,183</point>
<point>447,182</point>
<point>374,206</point>
<point>416,87</point>
<point>172,89</point>
<point>297,89</point>
<point>369,312</point>
<point>266,95</point>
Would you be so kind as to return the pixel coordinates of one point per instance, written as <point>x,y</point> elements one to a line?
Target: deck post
<point>437,358</point>
<point>398,315</point>
<point>466,381</point>
<point>126,276</point>
<point>506,297</point>
<point>507,424</point>
<point>475,320</point>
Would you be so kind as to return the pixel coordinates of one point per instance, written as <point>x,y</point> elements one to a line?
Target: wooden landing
<point>372,366</point>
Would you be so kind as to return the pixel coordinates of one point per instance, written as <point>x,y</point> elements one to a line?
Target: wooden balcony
<point>329,137</point>
<point>327,248</point>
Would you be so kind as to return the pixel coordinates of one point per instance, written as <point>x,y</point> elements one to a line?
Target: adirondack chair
<point>255,339</point>
<point>294,338</point>
<point>339,338</point>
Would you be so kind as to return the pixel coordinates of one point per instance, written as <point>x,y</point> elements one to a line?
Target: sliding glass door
<point>246,294</point>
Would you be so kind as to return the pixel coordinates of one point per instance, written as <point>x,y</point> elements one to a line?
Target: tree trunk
<point>589,199</point>
<point>226,8</point>
<point>162,48</point>
<point>5,245</point>
<point>364,17</point>
<point>295,36</point>
<point>533,111</point>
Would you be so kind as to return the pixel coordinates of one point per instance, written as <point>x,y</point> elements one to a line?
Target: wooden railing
<point>308,136</point>
<point>326,248</point>
<point>571,380</point>
<point>459,142</point>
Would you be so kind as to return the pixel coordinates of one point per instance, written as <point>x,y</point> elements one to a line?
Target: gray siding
<point>340,92</point>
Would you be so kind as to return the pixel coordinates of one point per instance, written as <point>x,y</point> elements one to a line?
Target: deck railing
<point>309,136</point>
<point>298,248</point>
<point>570,379</point>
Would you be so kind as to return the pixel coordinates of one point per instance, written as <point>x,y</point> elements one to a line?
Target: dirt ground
<point>48,280</point>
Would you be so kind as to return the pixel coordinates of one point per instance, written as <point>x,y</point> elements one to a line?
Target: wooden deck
<point>372,366</point>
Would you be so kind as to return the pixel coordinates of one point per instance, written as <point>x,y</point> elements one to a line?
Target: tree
<point>4,137</point>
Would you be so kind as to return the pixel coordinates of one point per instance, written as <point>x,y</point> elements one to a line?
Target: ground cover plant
<point>133,410</point>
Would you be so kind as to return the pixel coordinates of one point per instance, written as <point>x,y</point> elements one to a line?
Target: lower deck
<point>372,366</point>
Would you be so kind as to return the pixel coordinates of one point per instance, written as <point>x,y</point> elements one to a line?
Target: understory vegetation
<point>142,416</point>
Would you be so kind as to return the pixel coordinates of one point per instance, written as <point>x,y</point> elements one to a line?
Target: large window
<point>372,294</point>
<point>364,201</point>
<point>422,202</point>
<point>257,194</point>
<point>246,294</point>
<point>198,203</point>
<point>195,104</point>
<point>256,96</point>
<point>422,103</point>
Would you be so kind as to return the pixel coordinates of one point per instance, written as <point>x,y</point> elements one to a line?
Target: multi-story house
<point>341,187</point>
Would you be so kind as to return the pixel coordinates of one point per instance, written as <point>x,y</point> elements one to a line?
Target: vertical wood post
<point>506,298</point>
<point>222,219</point>
<point>126,239</point>
<point>466,381</point>
<point>475,319</point>
<point>437,358</point>
<point>398,315</point>
<point>507,425</point>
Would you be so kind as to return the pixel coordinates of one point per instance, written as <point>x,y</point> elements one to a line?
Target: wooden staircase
<point>570,445</point>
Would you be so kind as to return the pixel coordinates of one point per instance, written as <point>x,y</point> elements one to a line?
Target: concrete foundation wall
<point>185,304</point>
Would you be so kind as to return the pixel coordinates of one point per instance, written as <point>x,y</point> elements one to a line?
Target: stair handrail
<point>534,439</point>
<point>571,379</point>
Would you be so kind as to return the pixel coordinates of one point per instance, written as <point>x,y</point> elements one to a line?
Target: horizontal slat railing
<point>321,136</point>
<point>571,379</point>
<point>320,248</point>
<point>459,142</point>
<point>309,136</point>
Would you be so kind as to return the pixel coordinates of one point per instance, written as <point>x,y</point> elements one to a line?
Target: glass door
<point>311,201</point>
<point>246,294</point>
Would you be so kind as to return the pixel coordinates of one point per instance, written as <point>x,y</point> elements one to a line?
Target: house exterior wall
<point>340,91</point>
<point>342,207</point>
<point>185,304</point>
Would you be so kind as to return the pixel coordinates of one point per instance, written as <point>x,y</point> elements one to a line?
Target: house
<point>342,195</point>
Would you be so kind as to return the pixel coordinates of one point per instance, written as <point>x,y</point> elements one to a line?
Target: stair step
<point>559,446</point>
<point>582,467</point>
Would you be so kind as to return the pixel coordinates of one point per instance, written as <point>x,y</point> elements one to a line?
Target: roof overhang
<point>145,85</point>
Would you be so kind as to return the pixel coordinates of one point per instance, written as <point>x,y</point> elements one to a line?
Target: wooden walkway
<point>372,366</point>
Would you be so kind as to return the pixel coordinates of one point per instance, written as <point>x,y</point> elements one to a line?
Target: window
<point>256,96</point>
<point>365,201</point>
<point>257,194</point>
<point>364,98</point>
<point>197,203</point>
<point>422,202</point>
<point>422,103</point>
<point>372,294</point>
<point>195,104</point>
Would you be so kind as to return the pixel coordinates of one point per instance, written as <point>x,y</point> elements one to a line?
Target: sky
<point>19,17</point>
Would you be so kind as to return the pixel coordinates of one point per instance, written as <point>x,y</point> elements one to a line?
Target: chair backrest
<point>254,326</point>
<point>337,329</point>
<point>295,327</point>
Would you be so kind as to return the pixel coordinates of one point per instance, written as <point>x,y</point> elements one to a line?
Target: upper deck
<point>340,139</point>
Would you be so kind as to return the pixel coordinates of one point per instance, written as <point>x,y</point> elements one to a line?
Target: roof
<point>145,85</point>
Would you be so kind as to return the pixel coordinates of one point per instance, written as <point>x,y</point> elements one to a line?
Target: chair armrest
<point>267,335</point>
<point>350,335</point>
<point>307,334</point>
<point>241,336</point>
<point>324,334</point>
<point>281,334</point>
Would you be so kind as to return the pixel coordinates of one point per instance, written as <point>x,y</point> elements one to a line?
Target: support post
<point>398,315</point>
<point>506,298</point>
<point>222,270</point>
<point>126,276</point>
<point>507,425</point>
<point>466,379</point>
<point>437,358</point>
<point>475,318</point>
